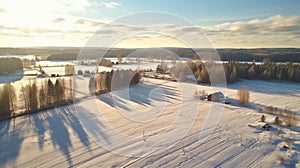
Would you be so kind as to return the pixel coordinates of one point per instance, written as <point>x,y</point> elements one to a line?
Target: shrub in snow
<point>202,92</point>
<point>290,118</point>
<point>243,95</point>
<point>281,159</point>
<point>262,118</point>
<point>276,120</point>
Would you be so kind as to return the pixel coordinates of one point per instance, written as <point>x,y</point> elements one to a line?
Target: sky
<point>155,23</point>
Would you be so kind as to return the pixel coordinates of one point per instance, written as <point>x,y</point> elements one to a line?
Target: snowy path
<point>80,135</point>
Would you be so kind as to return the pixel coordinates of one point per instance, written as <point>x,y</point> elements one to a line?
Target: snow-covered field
<point>156,124</point>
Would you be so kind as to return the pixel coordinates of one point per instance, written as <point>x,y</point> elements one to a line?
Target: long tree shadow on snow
<point>57,121</point>
<point>11,140</point>
<point>93,125</point>
<point>140,94</point>
<point>59,133</point>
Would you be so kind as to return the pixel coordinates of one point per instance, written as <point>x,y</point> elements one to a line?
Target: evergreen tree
<point>92,85</point>
<point>42,97</point>
<point>7,97</point>
<point>11,95</point>
<point>232,77</point>
<point>251,72</point>
<point>50,92</point>
<point>58,91</point>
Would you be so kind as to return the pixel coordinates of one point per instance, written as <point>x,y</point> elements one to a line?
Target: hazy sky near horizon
<point>221,23</point>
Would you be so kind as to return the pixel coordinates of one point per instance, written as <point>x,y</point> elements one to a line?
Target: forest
<point>237,70</point>
<point>10,65</point>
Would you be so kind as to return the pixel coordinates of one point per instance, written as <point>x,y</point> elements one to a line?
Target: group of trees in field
<point>105,62</point>
<point>48,93</point>
<point>36,96</point>
<point>69,70</point>
<point>200,70</point>
<point>28,63</point>
<point>10,65</point>
<point>236,70</point>
<point>106,81</point>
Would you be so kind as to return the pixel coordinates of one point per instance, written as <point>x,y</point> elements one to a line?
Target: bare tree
<point>42,97</point>
<point>243,95</point>
<point>50,91</point>
<point>11,95</point>
<point>120,59</point>
<point>25,98</point>
<point>7,98</point>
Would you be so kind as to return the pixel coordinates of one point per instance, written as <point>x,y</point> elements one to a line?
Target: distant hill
<point>72,53</point>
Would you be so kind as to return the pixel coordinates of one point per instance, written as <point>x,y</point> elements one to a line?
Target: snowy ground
<point>154,124</point>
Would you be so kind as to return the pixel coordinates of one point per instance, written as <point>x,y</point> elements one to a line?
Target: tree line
<point>106,81</point>
<point>10,65</point>
<point>35,97</point>
<point>237,70</point>
<point>265,71</point>
<point>258,54</point>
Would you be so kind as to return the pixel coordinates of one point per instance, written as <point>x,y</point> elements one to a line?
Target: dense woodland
<point>107,81</point>
<point>10,65</point>
<point>35,96</point>
<point>237,70</point>
<point>265,71</point>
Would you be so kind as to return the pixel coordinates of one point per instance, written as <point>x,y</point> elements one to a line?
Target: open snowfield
<point>156,124</point>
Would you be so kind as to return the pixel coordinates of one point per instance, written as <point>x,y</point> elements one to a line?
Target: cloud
<point>110,4</point>
<point>272,31</point>
<point>2,10</point>
<point>136,28</point>
<point>88,22</point>
<point>286,25</point>
<point>105,31</point>
<point>58,20</point>
<point>275,25</point>
<point>44,7</point>
<point>178,31</point>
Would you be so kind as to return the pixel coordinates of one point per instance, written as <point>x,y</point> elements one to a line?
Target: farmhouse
<point>79,72</point>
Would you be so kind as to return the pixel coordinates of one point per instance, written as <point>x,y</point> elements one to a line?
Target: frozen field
<point>154,124</point>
